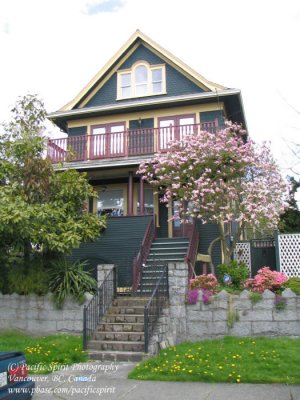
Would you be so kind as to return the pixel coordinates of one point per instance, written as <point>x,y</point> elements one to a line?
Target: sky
<point>54,47</point>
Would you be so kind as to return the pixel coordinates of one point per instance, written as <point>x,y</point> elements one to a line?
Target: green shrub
<point>293,284</point>
<point>255,297</point>
<point>238,273</point>
<point>25,280</point>
<point>3,280</point>
<point>70,279</point>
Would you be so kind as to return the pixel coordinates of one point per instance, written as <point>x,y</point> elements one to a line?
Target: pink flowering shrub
<point>266,279</point>
<point>208,282</point>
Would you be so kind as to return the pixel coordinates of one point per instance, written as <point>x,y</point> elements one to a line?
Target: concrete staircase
<point>120,335</point>
<point>162,252</point>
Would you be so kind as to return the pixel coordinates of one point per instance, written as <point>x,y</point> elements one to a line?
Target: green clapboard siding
<point>208,116</point>
<point>118,244</point>
<point>177,83</point>
<point>207,233</point>
<point>78,131</point>
<point>143,139</point>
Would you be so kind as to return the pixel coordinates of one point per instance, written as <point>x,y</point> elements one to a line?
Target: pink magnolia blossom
<point>222,176</point>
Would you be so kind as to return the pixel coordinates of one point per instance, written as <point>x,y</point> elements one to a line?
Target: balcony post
<point>130,194</point>
<point>142,198</point>
<point>126,143</point>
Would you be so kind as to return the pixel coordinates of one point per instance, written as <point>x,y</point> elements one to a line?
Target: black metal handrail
<point>155,305</point>
<point>99,304</point>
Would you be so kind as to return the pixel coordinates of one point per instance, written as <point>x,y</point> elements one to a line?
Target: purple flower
<point>192,296</point>
<point>206,294</point>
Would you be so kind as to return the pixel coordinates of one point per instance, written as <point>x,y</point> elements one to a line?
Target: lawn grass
<point>231,359</point>
<point>44,353</point>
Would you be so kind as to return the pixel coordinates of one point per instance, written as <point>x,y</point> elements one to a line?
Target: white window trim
<point>131,71</point>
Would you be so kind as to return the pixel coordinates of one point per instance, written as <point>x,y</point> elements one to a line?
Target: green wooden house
<point>141,99</point>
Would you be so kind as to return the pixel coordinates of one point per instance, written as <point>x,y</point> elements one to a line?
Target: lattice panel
<point>289,254</point>
<point>242,253</point>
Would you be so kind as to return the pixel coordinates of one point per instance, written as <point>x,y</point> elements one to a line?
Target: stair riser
<point>125,319</point>
<point>115,357</point>
<point>167,259</point>
<point>129,302</point>
<point>121,328</point>
<point>116,346</point>
<point>174,241</point>
<point>120,336</point>
<point>167,251</point>
<point>126,310</point>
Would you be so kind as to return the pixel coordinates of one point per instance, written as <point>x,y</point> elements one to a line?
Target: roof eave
<point>142,103</point>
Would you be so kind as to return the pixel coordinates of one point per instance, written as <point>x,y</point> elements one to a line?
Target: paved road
<point>109,382</point>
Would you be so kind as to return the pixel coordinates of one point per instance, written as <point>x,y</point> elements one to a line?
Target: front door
<point>176,127</point>
<point>107,140</point>
<point>177,225</point>
<point>180,229</point>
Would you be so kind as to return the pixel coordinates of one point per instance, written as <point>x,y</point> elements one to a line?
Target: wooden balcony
<point>130,143</point>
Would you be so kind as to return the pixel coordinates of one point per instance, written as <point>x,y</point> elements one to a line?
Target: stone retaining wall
<point>227,314</point>
<point>38,314</point>
<point>238,316</point>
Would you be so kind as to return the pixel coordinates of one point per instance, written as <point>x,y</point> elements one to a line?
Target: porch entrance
<point>180,229</point>
<point>173,228</point>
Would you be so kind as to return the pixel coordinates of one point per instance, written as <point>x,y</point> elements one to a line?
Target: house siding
<point>78,131</point>
<point>207,233</point>
<point>209,116</point>
<point>118,244</point>
<point>176,83</point>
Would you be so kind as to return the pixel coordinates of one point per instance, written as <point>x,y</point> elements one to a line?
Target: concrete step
<point>123,318</point>
<point>120,336</point>
<point>115,345</point>
<point>121,327</point>
<point>124,301</point>
<point>125,356</point>
<point>126,310</point>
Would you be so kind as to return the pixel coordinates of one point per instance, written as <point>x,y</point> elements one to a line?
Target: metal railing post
<point>146,328</point>
<point>84,336</point>
<point>98,305</point>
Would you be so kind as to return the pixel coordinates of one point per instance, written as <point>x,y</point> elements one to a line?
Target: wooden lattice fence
<point>288,253</point>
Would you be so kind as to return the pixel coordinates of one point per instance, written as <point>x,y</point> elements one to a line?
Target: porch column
<point>130,194</point>
<point>142,199</point>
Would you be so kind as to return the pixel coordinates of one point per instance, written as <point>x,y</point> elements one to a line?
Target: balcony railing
<point>121,144</point>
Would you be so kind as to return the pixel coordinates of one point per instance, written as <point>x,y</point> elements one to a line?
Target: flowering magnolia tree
<point>221,178</point>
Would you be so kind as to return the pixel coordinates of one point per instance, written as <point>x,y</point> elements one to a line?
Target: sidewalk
<point>91,381</point>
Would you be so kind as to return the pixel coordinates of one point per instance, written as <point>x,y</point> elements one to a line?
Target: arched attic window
<point>141,80</point>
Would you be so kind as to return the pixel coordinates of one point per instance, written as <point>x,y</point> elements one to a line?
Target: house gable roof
<point>125,52</point>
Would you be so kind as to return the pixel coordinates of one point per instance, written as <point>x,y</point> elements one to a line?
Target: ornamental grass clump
<point>280,302</point>
<point>266,279</point>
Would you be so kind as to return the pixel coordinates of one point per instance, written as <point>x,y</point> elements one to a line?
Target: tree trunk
<point>209,250</point>
<point>225,248</point>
